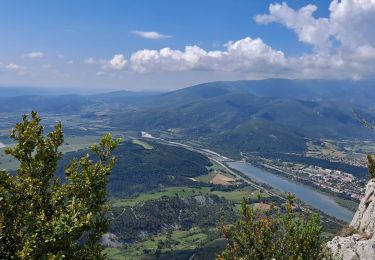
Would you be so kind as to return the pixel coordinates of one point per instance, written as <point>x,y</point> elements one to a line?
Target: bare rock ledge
<point>361,244</point>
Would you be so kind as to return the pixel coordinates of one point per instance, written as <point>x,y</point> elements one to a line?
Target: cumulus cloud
<point>118,62</point>
<point>350,23</point>
<point>245,55</point>
<point>150,35</point>
<point>309,30</point>
<point>242,55</point>
<point>34,55</point>
<point>344,43</point>
<point>250,57</point>
<point>343,47</point>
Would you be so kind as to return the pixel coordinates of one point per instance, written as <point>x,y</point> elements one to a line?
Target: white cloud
<point>251,58</point>
<point>13,66</point>
<point>309,30</point>
<point>90,61</point>
<point>242,55</point>
<point>350,23</point>
<point>344,43</point>
<point>34,55</point>
<point>118,62</point>
<point>151,35</point>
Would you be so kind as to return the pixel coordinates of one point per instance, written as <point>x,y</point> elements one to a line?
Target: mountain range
<point>254,115</point>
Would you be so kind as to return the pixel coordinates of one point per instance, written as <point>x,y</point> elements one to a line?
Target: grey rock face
<point>110,240</point>
<point>360,245</point>
<point>364,218</point>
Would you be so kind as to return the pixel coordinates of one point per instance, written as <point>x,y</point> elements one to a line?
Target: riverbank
<point>330,208</point>
<point>342,199</point>
<point>305,193</point>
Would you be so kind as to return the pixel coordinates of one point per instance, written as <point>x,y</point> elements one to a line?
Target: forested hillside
<point>141,169</point>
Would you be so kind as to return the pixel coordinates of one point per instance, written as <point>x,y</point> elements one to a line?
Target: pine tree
<point>42,217</point>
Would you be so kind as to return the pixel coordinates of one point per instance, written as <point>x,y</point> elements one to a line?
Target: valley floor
<point>221,189</point>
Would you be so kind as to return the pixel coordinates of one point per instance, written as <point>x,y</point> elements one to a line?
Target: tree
<point>367,124</point>
<point>371,166</point>
<point>265,235</point>
<point>42,217</point>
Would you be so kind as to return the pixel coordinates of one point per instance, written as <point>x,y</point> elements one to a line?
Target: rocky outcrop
<point>110,240</point>
<point>360,244</point>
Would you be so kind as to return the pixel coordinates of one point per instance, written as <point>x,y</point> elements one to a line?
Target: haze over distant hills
<point>14,91</point>
<point>265,115</point>
<point>311,90</point>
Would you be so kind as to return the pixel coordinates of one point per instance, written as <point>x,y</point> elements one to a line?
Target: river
<point>315,199</point>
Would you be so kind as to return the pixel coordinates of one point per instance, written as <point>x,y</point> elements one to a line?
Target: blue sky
<point>75,43</point>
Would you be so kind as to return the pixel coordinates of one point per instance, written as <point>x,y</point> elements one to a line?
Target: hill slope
<point>278,115</point>
<point>268,115</point>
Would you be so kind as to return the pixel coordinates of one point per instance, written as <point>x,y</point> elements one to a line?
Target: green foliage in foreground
<point>41,218</point>
<point>261,235</point>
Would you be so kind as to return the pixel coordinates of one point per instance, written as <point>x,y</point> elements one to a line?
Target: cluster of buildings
<point>327,179</point>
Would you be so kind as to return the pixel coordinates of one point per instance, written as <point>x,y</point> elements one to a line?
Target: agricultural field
<point>207,178</point>
<point>74,143</point>
<point>235,195</point>
<point>183,192</point>
<point>352,152</point>
<point>217,174</point>
<point>145,145</point>
<point>222,180</point>
<point>176,240</point>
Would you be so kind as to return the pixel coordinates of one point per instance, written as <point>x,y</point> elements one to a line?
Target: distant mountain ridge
<point>356,92</point>
<point>17,91</point>
<point>44,101</point>
<point>219,106</point>
<point>255,115</point>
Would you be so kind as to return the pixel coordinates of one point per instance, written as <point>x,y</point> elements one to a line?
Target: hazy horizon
<point>86,90</point>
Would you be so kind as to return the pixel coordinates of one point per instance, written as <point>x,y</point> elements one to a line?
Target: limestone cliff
<point>360,244</point>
